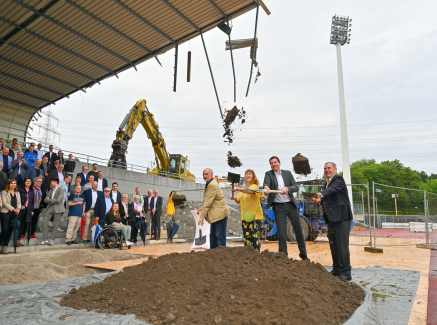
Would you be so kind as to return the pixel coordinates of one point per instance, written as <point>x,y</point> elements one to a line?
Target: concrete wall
<point>128,181</point>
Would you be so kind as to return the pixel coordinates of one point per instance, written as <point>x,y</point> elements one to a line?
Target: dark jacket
<point>104,182</point>
<point>110,218</point>
<point>158,210</point>
<point>70,165</point>
<point>83,179</point>
<point>52,174</point>
<point>33,172</point>
<point>29,210</point>
<point>335,200</point>
<point>88,195</point>
<point>146,203</point>
<point>118,197</point>
<point>271,182</point>
<point>124,214</point>
<point>100,208</point>
<point>3,180</point>
<point>45,169</point>
<point>15,167</point>
<point>133,214</point>
<point>52,158</point>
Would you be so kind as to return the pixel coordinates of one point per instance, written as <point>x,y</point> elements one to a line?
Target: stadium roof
<point>51,49</point>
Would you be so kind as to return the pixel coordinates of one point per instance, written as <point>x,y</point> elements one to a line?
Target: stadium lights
<point>340,30</point>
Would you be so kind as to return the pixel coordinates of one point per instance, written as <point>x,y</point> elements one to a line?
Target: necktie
<point>327,183</point>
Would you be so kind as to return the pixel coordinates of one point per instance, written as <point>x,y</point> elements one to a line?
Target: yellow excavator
<point>167,165</point>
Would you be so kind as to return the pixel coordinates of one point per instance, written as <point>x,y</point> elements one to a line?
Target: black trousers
<point>22,218</point>
<point>5,220</point>
<point>282,211</point>
<point>156,225</point>
<point>134,233</point>
<point>35,219</point>
<point>338,235</point>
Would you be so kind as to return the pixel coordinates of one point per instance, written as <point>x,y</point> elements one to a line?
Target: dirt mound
<point>301,165</point>
<point>230,118</point>
<point>179,200</point>
<point>233,161</point>
<point>33,269</point>
<point>223,286</point>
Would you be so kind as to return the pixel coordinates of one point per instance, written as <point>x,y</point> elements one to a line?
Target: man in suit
<point>50,155</point>
<point>214,210</point>
<point>3,178</point>
<point>83,176</point>
<point>148,209</point>
<point>156,205</point>
<point>61,157</point>
<point>19,167</point>
<point>2,144</point>
<point>14,142</point>
<point>91,195</point>
<point>35,171</point>
<point>7,161</point>
<point>55,208</point>
<point>102,182</point>
<point>284,205</point>
<point>45,167</point>
<point>115,194</point>
<point>338,215</point>
<point>103,205</point>
<point>56,173</point>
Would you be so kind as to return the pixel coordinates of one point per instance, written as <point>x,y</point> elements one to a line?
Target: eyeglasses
<point>107,191</point>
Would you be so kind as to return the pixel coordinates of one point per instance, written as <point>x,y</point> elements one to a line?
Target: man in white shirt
<point>115,194</point>
<point>156,203</point>
<point>39,151</point>
<point>102,182</point>
<point>84,177</point>
<point>148,209</point>
<point>61,172</point>
<point>90,197</point>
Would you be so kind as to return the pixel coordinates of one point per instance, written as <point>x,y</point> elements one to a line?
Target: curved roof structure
<point>51,49</point>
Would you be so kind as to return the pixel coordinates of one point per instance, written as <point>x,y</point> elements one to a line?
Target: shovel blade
<point>201,240</point>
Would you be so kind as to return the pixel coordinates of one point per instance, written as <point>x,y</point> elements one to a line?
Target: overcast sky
<point>390,72</point>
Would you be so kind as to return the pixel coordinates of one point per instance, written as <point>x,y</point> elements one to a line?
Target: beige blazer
<point>58,202</point>
<point>6,201</point>
<point>214,207</point>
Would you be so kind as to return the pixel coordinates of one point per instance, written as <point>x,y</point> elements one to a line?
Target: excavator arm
<point>139,114</point>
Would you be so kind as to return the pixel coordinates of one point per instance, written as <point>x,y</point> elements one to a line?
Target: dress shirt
<point>108,204</point>
<point>19,168</point>
<point>54,191</point>
<point>94,199</point>
<point>100,184</point>
<point>39,154</point>
<point>114,196</point>
<point>138,208</point>
<point>281,198</point>
<point>149,198</point>
<point>61,177</point>
<point>154,202</point>
<point>329,180</point>
<point>66,191</point>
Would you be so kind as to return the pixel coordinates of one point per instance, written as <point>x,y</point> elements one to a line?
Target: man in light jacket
<point>19,167</point>
<point>214,210</point>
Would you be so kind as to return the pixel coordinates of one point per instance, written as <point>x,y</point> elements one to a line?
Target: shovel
<point>201,240</point>
<point>233,178</point>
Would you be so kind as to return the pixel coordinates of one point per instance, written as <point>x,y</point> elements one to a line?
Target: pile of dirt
<point>301,165</point>
<point>34,269</point>
<point>233,161</point>
<point>223,286</point>
<point>179,200</point>
<point>230,118</point>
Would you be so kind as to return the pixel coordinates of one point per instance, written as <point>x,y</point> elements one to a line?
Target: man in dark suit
<point>56,173</point>
<point>7,161</point>
<point>337,212</point>
<point>83,176</point>
<point>115,194</point>
<point>50,155</point>
<point>156,205</point>
<point>102,182</point>
<point>103,205</point>
<point>34,171</point>
<point>284,205</point>
<point>19,167</point>
<point>91,195</point>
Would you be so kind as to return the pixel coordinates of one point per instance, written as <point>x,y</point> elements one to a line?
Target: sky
<point>389,70</point>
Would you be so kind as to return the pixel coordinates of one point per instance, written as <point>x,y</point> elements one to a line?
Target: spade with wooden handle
<point>201,240</point>
<point>233,178</point>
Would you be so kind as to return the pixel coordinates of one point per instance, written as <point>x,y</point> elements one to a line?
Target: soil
<point>230,118</point>
<point>179,200</point>
<point>233,161</point>
<point>234,285</point>
<point>301,165</point>
<point>34,269</point>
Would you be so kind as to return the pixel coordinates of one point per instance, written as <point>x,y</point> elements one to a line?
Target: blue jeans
<point>217,236</point>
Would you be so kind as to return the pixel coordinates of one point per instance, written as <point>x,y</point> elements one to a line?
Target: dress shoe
<point>345,277</point>
<point>157,238</point>
<point>68,243</point>
<point>335,273</point>
<point>73,242</point>
<point>84,241</point>
<point>19,244</point>
<point>303,257</point>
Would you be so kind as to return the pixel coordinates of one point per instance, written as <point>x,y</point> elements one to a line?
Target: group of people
<point>35,184</point>
<point>279,185</point>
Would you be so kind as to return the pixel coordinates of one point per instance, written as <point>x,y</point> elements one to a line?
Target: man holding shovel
<point>284,204</point>
<point>214,210</point>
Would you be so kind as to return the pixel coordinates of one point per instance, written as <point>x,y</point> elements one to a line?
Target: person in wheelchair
<point>113,219</point>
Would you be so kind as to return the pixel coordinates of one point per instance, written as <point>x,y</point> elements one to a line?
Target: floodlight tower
<point>340,35</point>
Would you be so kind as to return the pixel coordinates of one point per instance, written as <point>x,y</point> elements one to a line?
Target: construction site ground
<point>395,257</point>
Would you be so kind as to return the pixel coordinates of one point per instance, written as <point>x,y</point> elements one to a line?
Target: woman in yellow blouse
<point>251,210</point>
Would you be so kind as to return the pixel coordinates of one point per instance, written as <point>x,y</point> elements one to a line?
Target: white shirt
<point>100,184</point>
<point>60,176</point>
<point>154,202</point>
<point>94,199</point>
<point>39,154</point>
<point>19,168</point>
<point>114,196</point>
<point>54,191</point>
<point>327,186</point>
<point>281,198</point>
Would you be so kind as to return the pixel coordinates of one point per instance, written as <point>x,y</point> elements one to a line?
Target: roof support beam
<point>253,48</point>
<point>74,32</point>
<point>204,47</point>
<point>32,84</point>
<point>218,8</point>
<point>17,102</point>
<point>108,26</point>
<point>48,60</point>
<point>26,94</point>
<point>41,73</point>
<point>57,45</point>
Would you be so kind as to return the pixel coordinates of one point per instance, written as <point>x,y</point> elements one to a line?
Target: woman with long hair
<point>11,207</point>
<point>251,210</point>
<point>27,201</point>
<point>113,219</point>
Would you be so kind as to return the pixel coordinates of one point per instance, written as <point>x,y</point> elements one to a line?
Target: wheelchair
<point>109,238</point>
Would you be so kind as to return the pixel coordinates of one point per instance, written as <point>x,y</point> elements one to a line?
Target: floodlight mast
<point>340,35</point>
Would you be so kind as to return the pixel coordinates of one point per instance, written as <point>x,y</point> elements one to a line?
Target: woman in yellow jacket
<point>251,210</point>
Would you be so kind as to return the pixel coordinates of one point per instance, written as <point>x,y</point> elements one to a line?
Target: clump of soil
<point>230,118</point>
<point>235,285</point>
<point>233,161</point>
<point>34,269</point>
<point>301,164</point>
<point>179,200</point>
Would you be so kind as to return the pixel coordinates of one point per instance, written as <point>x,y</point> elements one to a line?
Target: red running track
<point>399,233</point>
<point>432,290</point>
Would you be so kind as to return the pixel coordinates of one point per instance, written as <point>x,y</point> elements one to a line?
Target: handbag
<point>249,216</point>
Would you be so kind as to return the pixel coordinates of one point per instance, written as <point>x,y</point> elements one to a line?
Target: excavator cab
<point>178,164</point>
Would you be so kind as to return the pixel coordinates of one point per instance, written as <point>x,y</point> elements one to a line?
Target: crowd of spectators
<point>34,184</point>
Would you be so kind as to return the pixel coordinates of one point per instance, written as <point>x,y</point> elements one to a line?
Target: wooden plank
<point>117,265</point>
<point>261,3</point>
